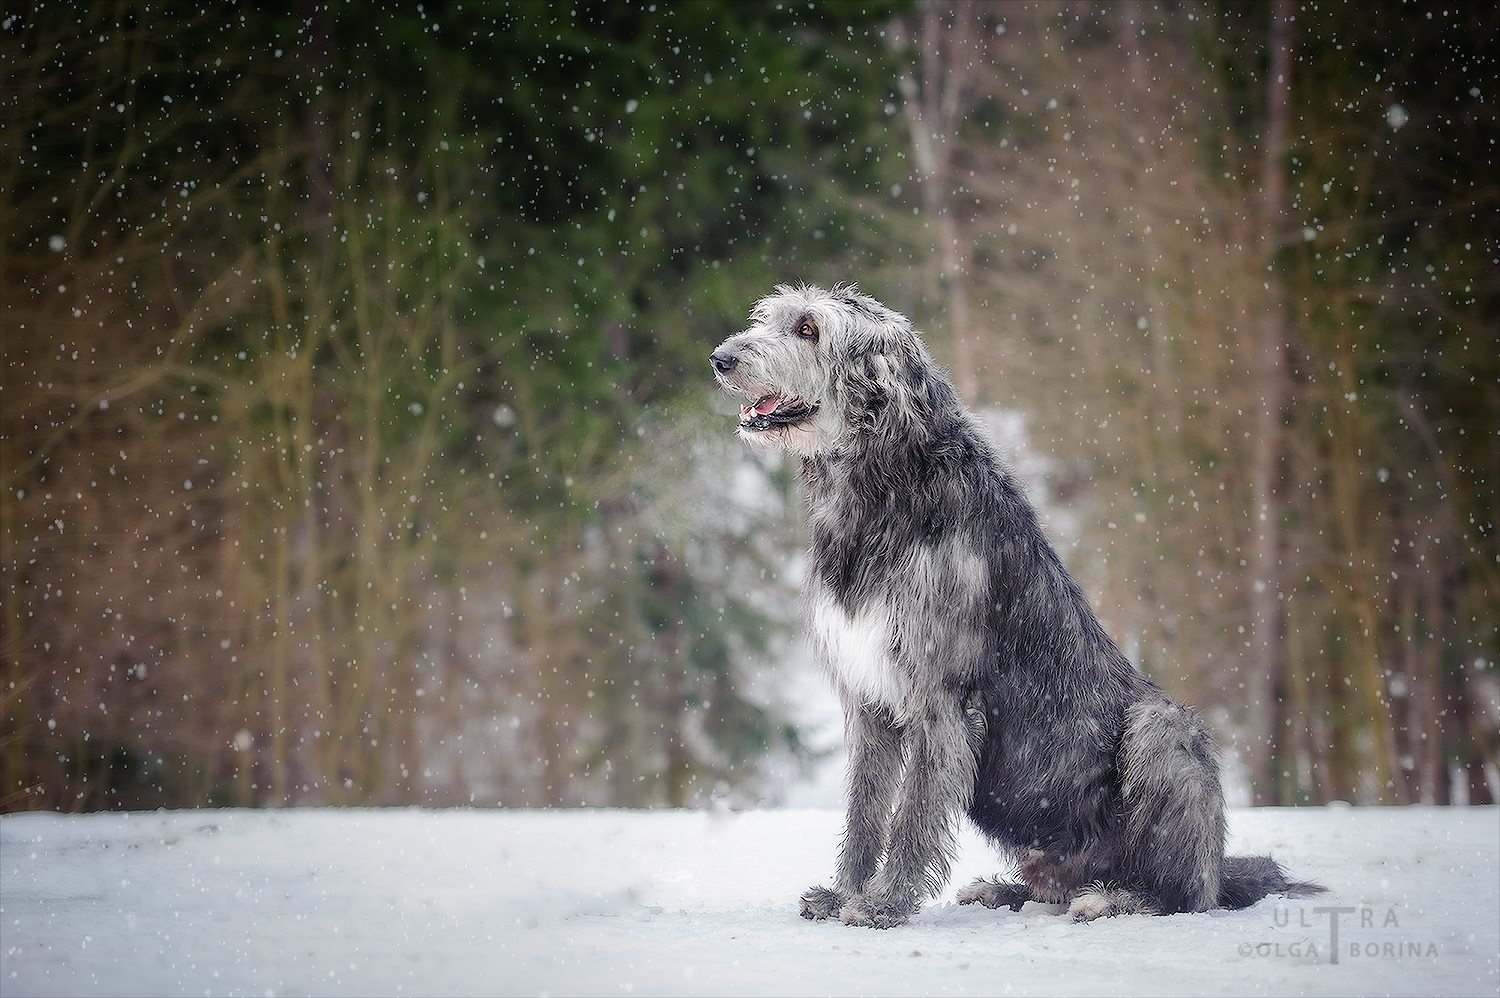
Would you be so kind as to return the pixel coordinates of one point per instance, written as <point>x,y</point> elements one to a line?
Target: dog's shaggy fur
<point>973,674</point>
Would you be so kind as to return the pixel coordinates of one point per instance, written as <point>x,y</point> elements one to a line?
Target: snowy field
<point>607,902</point>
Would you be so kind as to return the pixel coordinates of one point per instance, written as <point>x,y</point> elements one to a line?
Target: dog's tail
<point>1244,880</point>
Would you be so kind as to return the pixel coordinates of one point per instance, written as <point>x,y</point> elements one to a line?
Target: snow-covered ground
<point>610,902</point>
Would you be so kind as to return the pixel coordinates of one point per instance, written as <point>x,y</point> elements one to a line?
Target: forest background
<point>358,444</point>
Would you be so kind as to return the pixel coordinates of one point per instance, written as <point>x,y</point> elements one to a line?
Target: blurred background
<point>358,443</point>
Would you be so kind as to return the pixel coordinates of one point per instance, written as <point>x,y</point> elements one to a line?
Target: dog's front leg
<point>938,782</point>
<point>874,746</point>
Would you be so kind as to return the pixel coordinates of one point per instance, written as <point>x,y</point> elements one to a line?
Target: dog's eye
<point>807,330</point>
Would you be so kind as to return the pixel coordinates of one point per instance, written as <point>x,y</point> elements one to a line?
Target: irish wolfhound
<point>973,674</point>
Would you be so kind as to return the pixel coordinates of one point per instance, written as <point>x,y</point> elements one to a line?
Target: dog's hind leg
<point>874,746</point>
<point>1174,809</point>
<point>995,893</point>
<point>936,788</point>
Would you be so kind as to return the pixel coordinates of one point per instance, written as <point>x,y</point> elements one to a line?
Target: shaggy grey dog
<point>974,676</point>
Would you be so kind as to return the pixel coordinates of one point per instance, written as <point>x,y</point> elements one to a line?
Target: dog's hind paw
<point>1100,901</point>
<point>995,894</point>
<point>821,902</point>
<point>874,912</point>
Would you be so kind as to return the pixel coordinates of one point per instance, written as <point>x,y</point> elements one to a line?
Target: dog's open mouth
<point>775,410</point>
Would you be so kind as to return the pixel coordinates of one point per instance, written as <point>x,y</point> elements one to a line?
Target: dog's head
<point>813,366</point>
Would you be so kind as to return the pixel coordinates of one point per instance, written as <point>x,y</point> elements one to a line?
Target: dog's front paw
<point>875,911</point>
<point>821,902</point>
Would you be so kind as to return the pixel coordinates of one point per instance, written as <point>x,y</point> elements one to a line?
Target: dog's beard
<point>776,419</point>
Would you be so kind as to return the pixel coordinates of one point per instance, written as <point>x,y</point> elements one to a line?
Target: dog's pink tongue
<point>767,406</point>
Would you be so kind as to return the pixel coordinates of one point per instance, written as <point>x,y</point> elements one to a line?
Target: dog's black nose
<point>723,362</point>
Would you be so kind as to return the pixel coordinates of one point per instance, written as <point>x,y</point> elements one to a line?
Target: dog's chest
<point>856,649</point>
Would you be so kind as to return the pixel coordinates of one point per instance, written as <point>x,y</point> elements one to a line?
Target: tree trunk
<point>934,105</point>
<point>315,126</point>
<point>1263,729</point>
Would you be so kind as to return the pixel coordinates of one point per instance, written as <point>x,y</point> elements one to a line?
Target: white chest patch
<point>856,651</point>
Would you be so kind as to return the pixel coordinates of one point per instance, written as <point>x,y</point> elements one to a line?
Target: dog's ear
<point>864,379</point>
<point>886,384</point>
